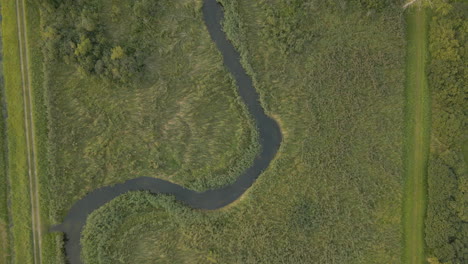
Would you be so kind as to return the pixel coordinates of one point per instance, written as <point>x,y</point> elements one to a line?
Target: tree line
<point>447,218</point>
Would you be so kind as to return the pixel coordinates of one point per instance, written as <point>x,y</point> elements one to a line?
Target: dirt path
<point>417,138</point>
<point>29,126</point>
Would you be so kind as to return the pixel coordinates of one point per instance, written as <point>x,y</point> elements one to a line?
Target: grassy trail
<point>29,127</point>
<point>417,138</point>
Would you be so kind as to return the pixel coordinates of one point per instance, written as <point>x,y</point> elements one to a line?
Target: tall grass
<point>333,194</point>
<point>181,121</point>
<point>51,242</point>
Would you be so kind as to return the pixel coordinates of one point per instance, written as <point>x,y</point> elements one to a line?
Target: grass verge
<point>4,216</point>
<point>417,137</point>
<point>17,161</point>
<point>4,185</point>
<point>51,242</point>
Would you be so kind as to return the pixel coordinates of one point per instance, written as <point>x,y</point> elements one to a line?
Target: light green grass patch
<point>417,138</point>
<point>17,164</point>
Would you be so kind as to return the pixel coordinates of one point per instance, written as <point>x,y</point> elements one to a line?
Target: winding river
<point>269,135</point>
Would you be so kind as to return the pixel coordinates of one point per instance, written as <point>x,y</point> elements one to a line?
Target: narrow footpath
<point>417,137</point>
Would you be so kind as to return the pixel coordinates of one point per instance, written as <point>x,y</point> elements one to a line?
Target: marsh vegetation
<point>179,118</point>
<point>334,192</point>
<point>124,89</point>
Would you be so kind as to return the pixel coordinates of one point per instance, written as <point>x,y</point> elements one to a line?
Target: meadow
<point>333,74</point>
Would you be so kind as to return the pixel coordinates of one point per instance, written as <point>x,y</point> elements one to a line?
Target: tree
<point>83,47</point>
<point>117,53</point>
<point>434,261</point>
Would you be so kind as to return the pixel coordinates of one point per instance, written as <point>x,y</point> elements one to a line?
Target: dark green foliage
<point>286,25</point>
<point>374,4</point>
<point>76,34</point>
<point>447,218</point>
<point>446,230</point>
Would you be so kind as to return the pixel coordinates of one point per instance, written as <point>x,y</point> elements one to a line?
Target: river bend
<point>269,135</point>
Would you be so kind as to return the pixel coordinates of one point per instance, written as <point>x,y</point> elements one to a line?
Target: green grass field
<point>417,137</point>
<point>334,192</point>
<point>20,209</point>
<point>4,218</point>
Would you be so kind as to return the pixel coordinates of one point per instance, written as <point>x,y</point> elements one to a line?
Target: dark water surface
<point>269,135</point>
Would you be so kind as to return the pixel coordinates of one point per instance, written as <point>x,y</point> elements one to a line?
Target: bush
<point>75,34</point>
<point>286,27</point>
